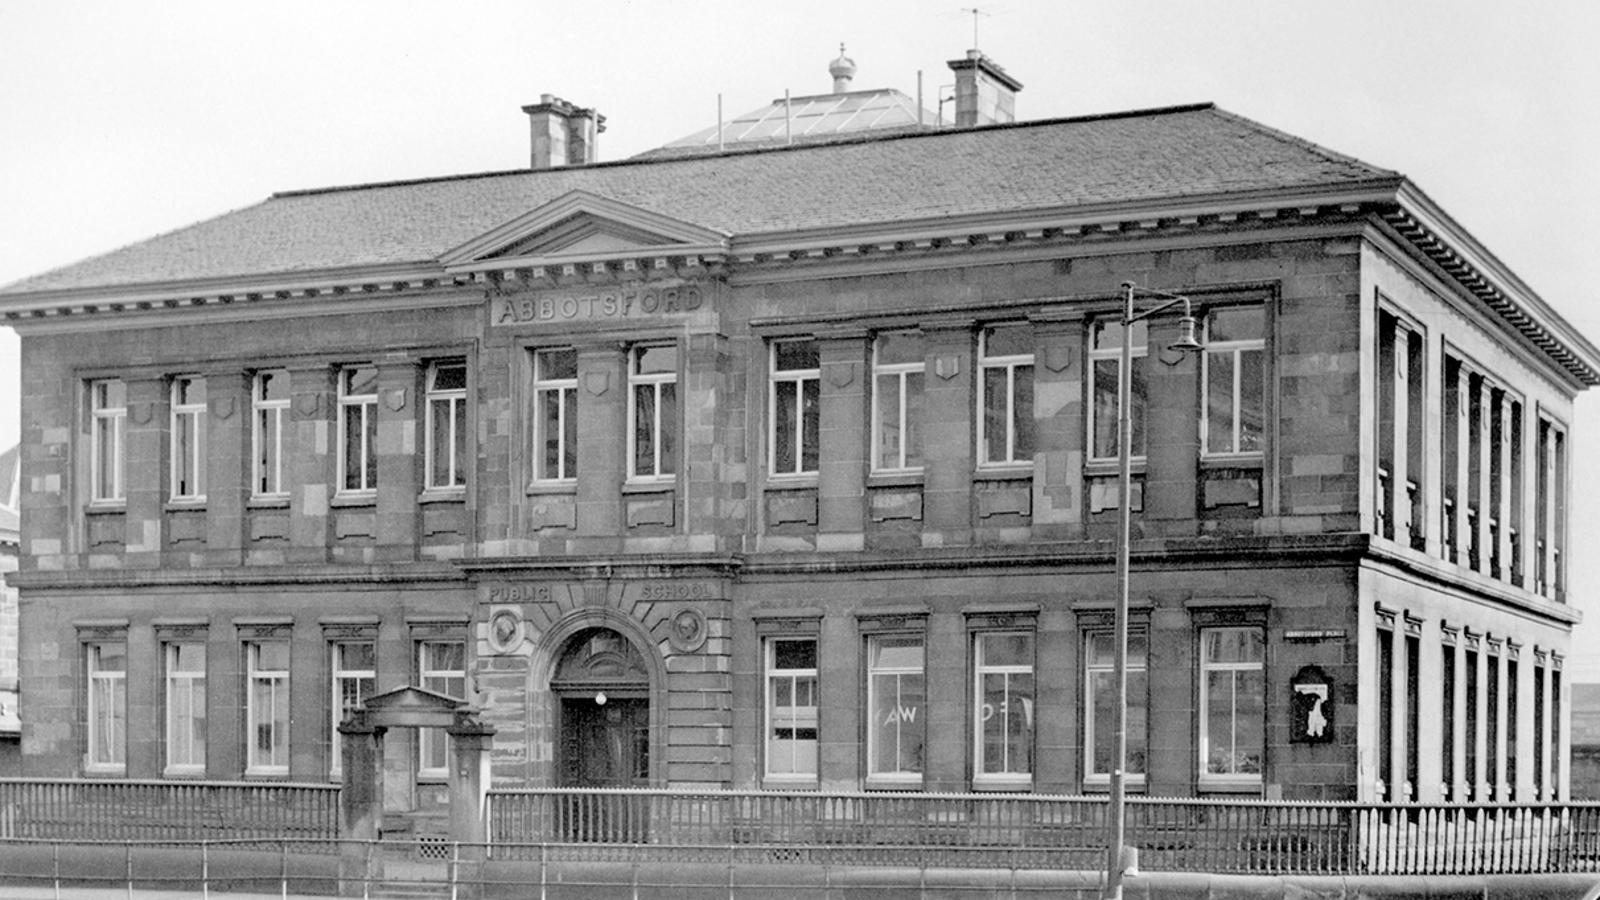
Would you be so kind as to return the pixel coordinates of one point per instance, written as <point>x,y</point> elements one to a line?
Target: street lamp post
<point>1117,856</point>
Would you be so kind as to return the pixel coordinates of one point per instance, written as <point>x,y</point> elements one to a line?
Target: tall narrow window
<point>1233,417</point>
<point>355,678</point>
<point>555,402</point>
<point>447,425</point>
<point>186,708</point>
<point>1385,743</point>
<point>1469,736</point>
<point>1491,720</point>
<point>791,708</point>
<point>898,367</point>
<point>269,402</point>
<point>1100,705</point>
<point>1511,729</point>
<point>188,438</point>
<point>1105,354</point>
<point>267,708</point>
<point>1515,526</point>
<point>1413,713</point>
<point>1558,528</point>
<point>1447,730</point>
<point>109,401</point>
<point>442,668</point>
<point>1003,705</point>
<point>1005,402</point>
<point>1540,727</point>
<point>653,382</point>
<point>1555,734</point>
<point>896,703</point>
<point>108,706</point>
<point>1497,471</point>
<point>1232,703</point>
<point>795,402</point>
<point>1452,503</point>
<point>358,429</point>
<point>1477,459</point>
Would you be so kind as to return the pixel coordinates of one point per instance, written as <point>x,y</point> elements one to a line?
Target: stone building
<point>795,467</point>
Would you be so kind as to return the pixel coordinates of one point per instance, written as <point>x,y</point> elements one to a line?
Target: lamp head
<point>1186,335</point>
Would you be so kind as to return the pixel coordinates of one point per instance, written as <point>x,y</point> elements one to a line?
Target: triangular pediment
<point>580,226</point>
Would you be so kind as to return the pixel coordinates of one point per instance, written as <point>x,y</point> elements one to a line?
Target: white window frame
<point>269,422</point>
<point>366,685</point>
<point>795,379</point>
<point>1108,667</point>
<point>565,391</point>
<point>188,458</point>
<point>1203,709</point>
<point>367,478</point>
<point>795,772</point>
<point>981,712</point>
<point>900,373</point>
<point>660,426</point>
<point>918,730</point>
<point>108,428</point>
<point>277,681</point>
<point>1011,363</point>
<point>1141,350</point>
<point>185,744</point>
<point>453,402</point>
<point>1236,350</point>
<point>107,709</point>
<point>439,680</point>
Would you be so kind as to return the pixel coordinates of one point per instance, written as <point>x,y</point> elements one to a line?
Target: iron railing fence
<point>95,809</point>
<point>1034,831</point>
<point>845,829</point>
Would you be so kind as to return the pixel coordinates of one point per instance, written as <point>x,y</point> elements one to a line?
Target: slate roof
<point>1128,158</point>
<point>809,119</point>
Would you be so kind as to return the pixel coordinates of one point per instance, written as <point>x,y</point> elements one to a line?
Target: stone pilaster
<point>313,409</point>
<point>947,434</point>
<point>1172,431</point>
<point>145,469</point>
<point>842,457</point>
<point>602,450</point>
<point>1059,424</point>
<point>400,456</point>
<point>228,447</point>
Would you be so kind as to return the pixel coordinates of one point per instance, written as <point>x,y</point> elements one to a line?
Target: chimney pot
<point>562,134</point>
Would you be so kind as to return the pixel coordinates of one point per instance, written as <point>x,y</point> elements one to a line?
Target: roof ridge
<point>1313,146</point>
<point>863,138</point>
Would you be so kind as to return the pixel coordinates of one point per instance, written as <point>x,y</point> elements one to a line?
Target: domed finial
<point>843,69</point>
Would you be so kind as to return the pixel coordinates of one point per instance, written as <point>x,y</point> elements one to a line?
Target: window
<point>1005,401</point>
<point>896,711</point>
<point>898,365</point>
<point>447,425</point>
<point>1003,705</point>
<point>269,403</point>
<point>1469,768</point>
<point>188,438</point>
<point>1550,507</point>
<point>108,706</point>
<point>109,400</point>
<point>355,678</point>
<point>1100,705</point>
<point>358,429</point>
<point>1232,704</point>
<point>653,383</point>
<point>441,668</point>
<point>267,712</point>
<point>792,708</point>
<point>1105,352</point>
<point>555,402</point>
<point>1233,416</point>
<point>186,708</point>
<point>1447,725</point>
<point>796,408</point>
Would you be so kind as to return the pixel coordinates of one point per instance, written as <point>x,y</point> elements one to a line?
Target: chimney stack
<point>985,94</point>
<point>563,134</point>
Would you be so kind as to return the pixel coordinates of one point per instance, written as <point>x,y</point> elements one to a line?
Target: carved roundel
<point>687,632</point>
<point>505,630</point>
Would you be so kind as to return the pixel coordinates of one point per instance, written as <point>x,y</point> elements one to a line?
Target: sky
<point>120,121</point>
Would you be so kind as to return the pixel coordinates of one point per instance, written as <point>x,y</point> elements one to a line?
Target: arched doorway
<point>601,692</point>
